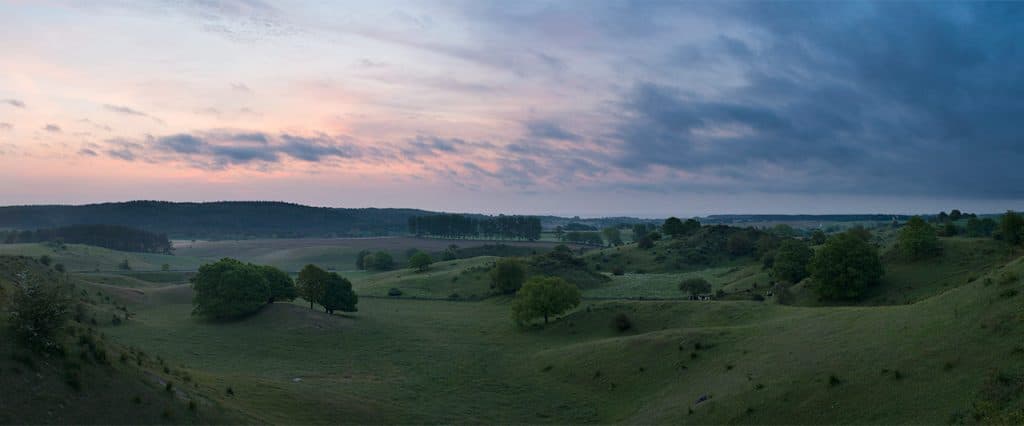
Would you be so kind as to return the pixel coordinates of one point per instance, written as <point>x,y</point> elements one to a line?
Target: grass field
<point>77,257</point>
<point>332,253</point>
<point>438,361</point>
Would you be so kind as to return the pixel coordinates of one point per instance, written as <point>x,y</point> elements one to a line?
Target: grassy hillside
<point>90,379</point>
<point>934,361</point>
<point>466,278</point>
<point>77,257</point>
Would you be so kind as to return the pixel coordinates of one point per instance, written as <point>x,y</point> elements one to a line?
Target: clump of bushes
<point>621,322</point>
<point>394,292</point>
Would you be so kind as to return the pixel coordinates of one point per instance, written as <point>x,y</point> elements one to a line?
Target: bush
<point>38,310</point>
<point>420,261</point>
<point>394,292</point>
<point>507,275</point>
<point>618,270</point>
<point>790,261</point>
<point>543,297</point>
<point>917,240</point>
<point>621,322</point>
<point>45,260</point>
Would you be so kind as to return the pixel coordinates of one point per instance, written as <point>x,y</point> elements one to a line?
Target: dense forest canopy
<point>239,219</point>
<point>115,237</point>
<point>462,226</point>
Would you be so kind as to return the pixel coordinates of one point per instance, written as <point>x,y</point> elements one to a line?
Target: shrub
<point>917,240</point>
<point>228,289</point>
<point>845,266</point>
<point>790,261</point>
<point>695,286</point>
<point>420,261</point>
<point>621,322</point>
<point>543,297</point>
<point>834,381</point>
<point>38,310</point>
<point>394,292</point>
<point>618,270</point>
<point>507,275</point>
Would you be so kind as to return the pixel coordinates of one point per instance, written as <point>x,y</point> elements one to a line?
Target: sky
<point>590,108</point>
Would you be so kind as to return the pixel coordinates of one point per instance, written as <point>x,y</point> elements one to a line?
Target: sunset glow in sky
<point>564,107</point>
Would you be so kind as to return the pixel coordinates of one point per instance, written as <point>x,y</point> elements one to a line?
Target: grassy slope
<point>77,257</point>
<point>465,277</point>
<point>78,387</point>
<point>666,285</point>
<point>432,361</point>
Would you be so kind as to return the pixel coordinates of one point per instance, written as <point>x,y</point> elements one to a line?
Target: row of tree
<point>230,288</point>
<point>114,237</point>
<point>462,226</point>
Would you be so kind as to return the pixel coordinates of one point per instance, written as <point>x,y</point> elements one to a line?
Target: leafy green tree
<point>861,232</point>
<point>45,259</point>
<point>612,235</point>
<point>1011,227</point>
<point>382,261</point>
<point>165,267</point>
<point>695,286</point>
<point>124,265</point>
<point>38,310</point>
<point>544,297</point>
<point>361,259</point>
<point>917,240</point>
<point>281,285</point>
<point>673,227</point>
<point>312,284</point>
<point>818,237</point>
<point>784,231</point>
<point>451,253</point>
<point>228,288</point>
<point>507,275</point>
<point>739,243</point>
<point>845,266</point>
<point>640,230</point>
<point>338,295</point>
<point>420,261</point>
<point>955,215</point>
<point>791,260</point>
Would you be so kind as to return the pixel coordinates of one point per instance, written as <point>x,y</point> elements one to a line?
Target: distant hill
<point>742,218</point>
<point>216,220</point>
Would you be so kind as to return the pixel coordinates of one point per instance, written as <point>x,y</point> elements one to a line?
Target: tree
<point>640,230</point>
<point>645,242</point>
<point>281,285</point>
<point>544,297</point>
<point>1011,227</point>
<point>818,237</point>
<point>955,215</point>
<point>917,240</point>
<point>612,236</point>
<point>695,286</point>
<point>784,231</point>
<point>124,265</point>
<point>45,259</point>
<point>739,243</point>
<point>791,259</point>
<point>507,275</point>
<point>338,295</point>
<point>361,258</point>
<point>845,266</point>
<point>381,261</point>
<point>38,310</point>
<point>420,261</point>
<point>673,227</point>
<point>165,267</point>
<point>312,283</point>
<point>861,232</point>
<point>451,253</point>
<point>228,288</point>
<point>691,226</point>
<point>980,227</point>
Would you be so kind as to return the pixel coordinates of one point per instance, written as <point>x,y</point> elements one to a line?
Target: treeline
<point>462,226</point>
<point>217,220</point>
<point>114,237</point>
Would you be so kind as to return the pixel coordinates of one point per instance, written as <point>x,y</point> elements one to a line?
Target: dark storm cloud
<point>218,149</point>
<point>14,103</point>
<point>925,102</point>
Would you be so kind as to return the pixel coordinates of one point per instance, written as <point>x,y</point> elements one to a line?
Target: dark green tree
<point>338,295</point>
<point>420,261</point>
<point>507,275</point>
<point>38,310</point>
<point>544,297</point>
<point>382,261</point>
<point>818,237</point>
<point>360,259</point>
<point>1011,228</point>
<point>228,289</point>
<point>695,286</point>
<point>917,240</point>
<point>791,260</point>
<point>845,266</point>
<point>673,227</point>
<point>281,285</point>
<point>955,215</point>
<point>312,283</point>
<point>612,235</point>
